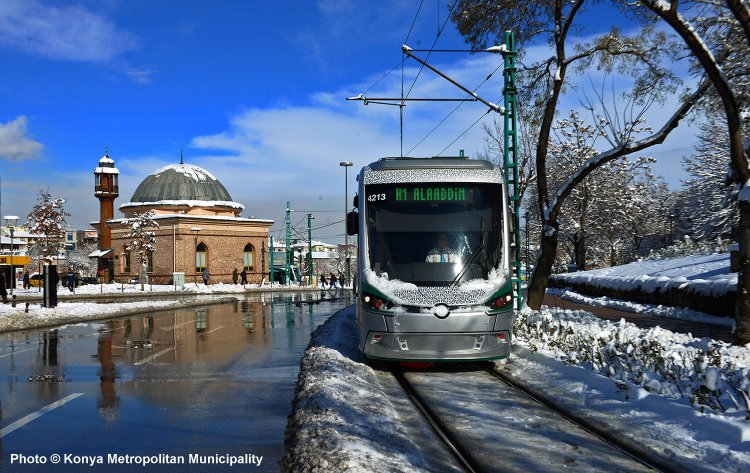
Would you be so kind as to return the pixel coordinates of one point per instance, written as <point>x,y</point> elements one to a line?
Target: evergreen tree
<point>710,198</point>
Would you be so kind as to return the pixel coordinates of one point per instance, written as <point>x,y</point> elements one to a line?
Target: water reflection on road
<point>210,380</point>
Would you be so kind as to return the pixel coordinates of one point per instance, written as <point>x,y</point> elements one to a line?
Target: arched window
<point>248,257</point>
<point>200,257</point>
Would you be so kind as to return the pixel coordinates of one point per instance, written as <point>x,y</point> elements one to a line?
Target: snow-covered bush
<point>708,374</point>
<point>688,247</point>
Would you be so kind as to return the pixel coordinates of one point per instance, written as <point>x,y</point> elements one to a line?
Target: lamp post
<point>345,165</point>
<point>195,249</point>
<point>11,222</point>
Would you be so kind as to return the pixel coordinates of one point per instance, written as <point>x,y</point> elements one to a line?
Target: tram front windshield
<point>434,234</point>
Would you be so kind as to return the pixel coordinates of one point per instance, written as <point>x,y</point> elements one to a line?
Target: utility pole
<point>309,249</point>
<point>510,160</point>
<point>262,258</point>
<point>270,259</point>
<point>288,222</point>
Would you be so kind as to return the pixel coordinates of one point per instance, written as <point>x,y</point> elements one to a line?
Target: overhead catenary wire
<point>453,111</point>
<point>464,132</point>
<point>403,61</point>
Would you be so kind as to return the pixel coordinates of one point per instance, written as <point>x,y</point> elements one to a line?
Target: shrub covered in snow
<point>689,247</point>
<point>710,375</point>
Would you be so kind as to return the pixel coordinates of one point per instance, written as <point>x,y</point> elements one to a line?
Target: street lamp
<point>195,249</point>
<point>11,222</point>
<point>345,165</point>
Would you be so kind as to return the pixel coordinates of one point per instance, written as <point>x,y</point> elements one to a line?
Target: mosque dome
<point>181,185</point>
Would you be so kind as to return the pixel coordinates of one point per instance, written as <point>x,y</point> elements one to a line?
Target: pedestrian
<point>234,276</point>
<point>3,290</point>
<point>205,276</point>
<point>243,275</point>
<point>342,280</point>
<point>323,281</point>
<point>71,279</point>
<point>333,280</point>
<point>26,280</point>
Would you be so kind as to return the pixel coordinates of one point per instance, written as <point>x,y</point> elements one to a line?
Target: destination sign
<point>428,194</point>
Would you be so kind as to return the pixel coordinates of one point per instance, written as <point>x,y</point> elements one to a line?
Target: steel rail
<point>631,450</point>
<point>459,452</point>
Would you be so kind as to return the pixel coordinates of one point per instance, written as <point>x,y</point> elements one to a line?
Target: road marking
<point>16,352</point>
<point>215,329</point>
<point>153,357</point>
<point>34,415</point>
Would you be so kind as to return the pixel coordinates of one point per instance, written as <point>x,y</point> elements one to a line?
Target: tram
<point>434,279</point>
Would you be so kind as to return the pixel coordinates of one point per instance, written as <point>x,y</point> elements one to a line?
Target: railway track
<point>490,424</point>
<point>461,455</point>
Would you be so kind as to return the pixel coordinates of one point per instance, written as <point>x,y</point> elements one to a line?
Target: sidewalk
<point>697,329</point>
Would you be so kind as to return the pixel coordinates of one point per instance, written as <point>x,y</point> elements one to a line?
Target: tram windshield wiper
<point>466,266</point>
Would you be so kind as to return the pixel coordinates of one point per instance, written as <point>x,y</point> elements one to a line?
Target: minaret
<point>106,189</point>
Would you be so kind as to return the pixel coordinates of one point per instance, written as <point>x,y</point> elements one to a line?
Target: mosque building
<point>199,227</point>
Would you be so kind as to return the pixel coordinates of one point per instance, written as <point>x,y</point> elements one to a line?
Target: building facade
<point>199,226</point>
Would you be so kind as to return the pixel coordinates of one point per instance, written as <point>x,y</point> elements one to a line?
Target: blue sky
<point>252,91</point>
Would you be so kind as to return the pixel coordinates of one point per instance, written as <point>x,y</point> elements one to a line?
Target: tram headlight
<point>376,302</point>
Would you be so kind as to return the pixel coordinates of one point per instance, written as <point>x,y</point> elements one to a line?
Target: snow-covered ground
<point>684,399</point>
<point>114,300</point>
<point>343,420</point>
<point>704,274</point>
<point>90,290</point>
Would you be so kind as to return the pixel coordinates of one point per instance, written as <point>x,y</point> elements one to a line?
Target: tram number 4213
<point>376,197</point>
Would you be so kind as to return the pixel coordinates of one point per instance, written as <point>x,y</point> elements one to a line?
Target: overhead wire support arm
<point>382,100</point>
<point>408,51</point>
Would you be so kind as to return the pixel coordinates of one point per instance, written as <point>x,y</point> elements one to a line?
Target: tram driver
<point>442,253</point>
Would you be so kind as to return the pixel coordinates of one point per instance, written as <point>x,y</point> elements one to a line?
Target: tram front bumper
<point>437,346</point>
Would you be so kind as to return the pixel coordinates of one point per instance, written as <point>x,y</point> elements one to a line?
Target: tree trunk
<point>580,252</point>
<point>742,332</point>
<point>543,268</point>
<point>739,161</point>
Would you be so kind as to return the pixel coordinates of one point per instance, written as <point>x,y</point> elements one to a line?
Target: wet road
<point>206,384</point>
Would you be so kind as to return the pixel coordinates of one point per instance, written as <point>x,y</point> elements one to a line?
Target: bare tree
<point>47,219</point>
<point>543,83</point>
<point>720,20</point>
<point>142,240</point>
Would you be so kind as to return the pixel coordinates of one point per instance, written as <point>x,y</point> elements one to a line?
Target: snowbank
<point>28,315</point>
<point>134,290</point>
<point>708,275</point>
<point>342,419</point>
<point>682,411</point>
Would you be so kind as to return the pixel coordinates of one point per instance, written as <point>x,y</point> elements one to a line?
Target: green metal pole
<point>309,249</point>
<point>288,264</point>
<point>511,160</point>
<point>270,259</point>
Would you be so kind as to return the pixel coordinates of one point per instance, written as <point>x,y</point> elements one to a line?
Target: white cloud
<point>139,75</point>
<point>15,145</point>
<point>68,32</point>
